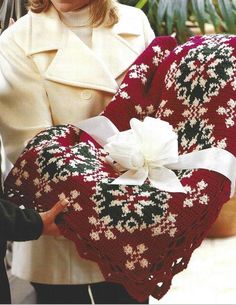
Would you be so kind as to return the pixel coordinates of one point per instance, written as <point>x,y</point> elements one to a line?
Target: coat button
<point>86,94</point>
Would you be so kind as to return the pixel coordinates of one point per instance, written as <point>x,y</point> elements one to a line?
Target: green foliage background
<point>169,16</point>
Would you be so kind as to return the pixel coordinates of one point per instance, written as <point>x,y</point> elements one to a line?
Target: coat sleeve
<point>17,224</point>
<point>24,107</point>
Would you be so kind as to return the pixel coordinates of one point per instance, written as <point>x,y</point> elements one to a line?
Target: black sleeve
<point>17,224</point>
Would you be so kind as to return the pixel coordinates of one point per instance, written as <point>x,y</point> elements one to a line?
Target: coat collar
<point>74,63</point>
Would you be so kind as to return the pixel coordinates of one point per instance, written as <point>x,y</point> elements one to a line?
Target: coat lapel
<point>113,50</point>
<point>76,64</point>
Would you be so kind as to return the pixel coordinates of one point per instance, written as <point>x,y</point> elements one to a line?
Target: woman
<point>60,64</point>
<point>21,225</point>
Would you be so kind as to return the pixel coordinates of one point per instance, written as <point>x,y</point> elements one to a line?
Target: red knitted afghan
<point>141,236</point>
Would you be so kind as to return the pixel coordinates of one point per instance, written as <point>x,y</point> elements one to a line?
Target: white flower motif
<point>178,49</point>
<point>121,92</point>
<point>144,263</point>
<point>15,171</point>
<point>94,236</point>
<point>109,235</point>
<point>144,67</point>
<point>92,220</point>
<point>47,188</point>
<point>141,248</point>
<point>202,184</point>
<point>188,188</point>
<point>62,196</point>
<point>222,143</point>
<point>128,249</point>
<point>156,49</point>
<point>167,112</point>
<point>171,218</point>
<point>130,265</point>
<point>229,122</point>
<point>77,207</point>
<point>139,72</point>
<point>204,199</point>
<point>23,163</point>
<point>156,218</point>
<point>74,194</point>
<point>18,182</point>
<point>157,231</point>
<point>124,95</point>
<point>172,232</point>
<point>195,195</point>
<point>25,175</point>
<point>36,181</point>
<point>136,256</point>
<point>228,112</point>
<point>106,219</point>
<point>38,194</point>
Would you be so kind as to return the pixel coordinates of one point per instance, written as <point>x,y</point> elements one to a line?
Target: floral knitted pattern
<point>141,236</point>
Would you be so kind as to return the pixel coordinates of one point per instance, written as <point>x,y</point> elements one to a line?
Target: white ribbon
<point>150,150</point>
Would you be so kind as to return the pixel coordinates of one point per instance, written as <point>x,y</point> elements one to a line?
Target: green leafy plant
<point>182,16</point>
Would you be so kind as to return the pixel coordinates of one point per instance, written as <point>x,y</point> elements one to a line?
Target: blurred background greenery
<point>188,17</point>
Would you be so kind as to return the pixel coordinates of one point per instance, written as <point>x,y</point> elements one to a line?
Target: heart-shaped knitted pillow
<point>139,235</point>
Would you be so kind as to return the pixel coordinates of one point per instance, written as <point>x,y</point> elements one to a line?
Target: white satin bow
<point>144,151</point>
<point>150,150</point>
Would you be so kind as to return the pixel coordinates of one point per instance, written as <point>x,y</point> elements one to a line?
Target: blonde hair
<point>102,11</point>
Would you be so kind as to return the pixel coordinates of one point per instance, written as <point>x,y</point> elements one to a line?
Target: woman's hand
<point>48,218</point>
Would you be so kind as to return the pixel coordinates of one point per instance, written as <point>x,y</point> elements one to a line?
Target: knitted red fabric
<point>140,236</point>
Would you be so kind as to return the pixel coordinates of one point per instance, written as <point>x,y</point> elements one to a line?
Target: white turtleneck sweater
<point>79,22</point>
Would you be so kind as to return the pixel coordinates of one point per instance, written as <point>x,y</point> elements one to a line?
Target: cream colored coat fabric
<point>49,76</point>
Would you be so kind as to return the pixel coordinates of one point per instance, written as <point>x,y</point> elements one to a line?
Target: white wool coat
<point>48,76</point>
